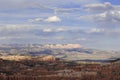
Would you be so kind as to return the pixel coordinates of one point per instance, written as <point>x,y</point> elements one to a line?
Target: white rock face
<point>48,58</point>
<point>15,57</point>
<point>18,58</point>
<point>63,46</point>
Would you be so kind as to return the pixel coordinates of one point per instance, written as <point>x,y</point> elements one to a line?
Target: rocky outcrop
<point>18,58</point>
<point>15,57</point>
<point>48,58</point>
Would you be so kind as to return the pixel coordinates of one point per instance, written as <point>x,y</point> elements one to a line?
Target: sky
<point>91,23</point>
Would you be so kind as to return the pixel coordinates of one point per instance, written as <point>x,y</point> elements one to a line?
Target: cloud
<point>99,7</point>
<point>49,34</point>
<point>105,15</point>
<point>60,29</point>
<point>53,19</point>
<point>55,30</point>
<point>66,2</point>
<point>20,11</point>
<point>110,17</point>
<point>102,32</point>
<point>35,20</point>
<point>95,30</point>
<point>22,4</point>
<point>47,30</point>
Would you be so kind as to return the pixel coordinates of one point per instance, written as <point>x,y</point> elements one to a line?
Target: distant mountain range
<point>69,52</point>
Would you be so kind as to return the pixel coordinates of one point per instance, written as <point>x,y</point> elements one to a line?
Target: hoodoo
<point>48,58</point>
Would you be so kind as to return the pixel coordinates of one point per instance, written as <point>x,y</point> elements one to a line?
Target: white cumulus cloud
<point>53,19</point>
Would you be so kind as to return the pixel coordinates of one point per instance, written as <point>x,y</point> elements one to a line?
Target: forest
<point>57,70</point>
